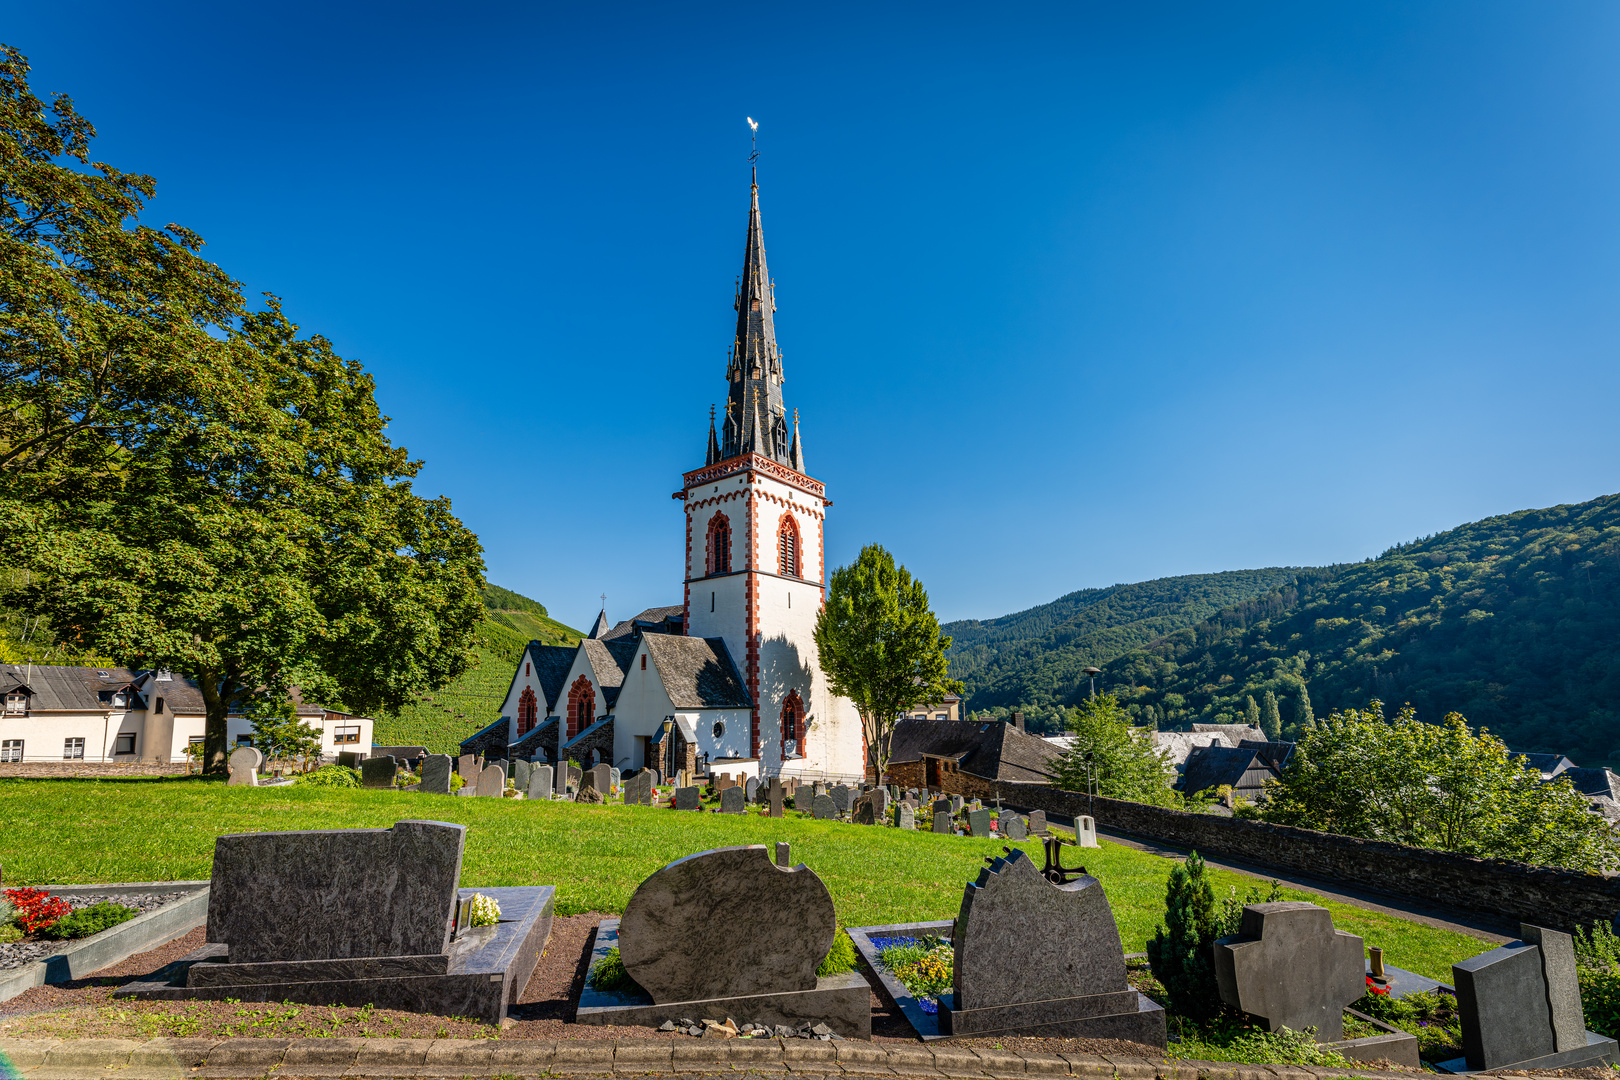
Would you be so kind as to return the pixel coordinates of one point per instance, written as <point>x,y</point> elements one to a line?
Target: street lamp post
<point>1092,673</point>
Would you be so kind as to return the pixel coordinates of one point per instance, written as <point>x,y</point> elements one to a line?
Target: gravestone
<point>467,767</point>
<point>540,782</point>
<point>378,772</point>
<point>913,795</point>
<point>1085,831</point>
<point>1520,1008</point>
<point>1037,822</point>
<point>880,802</point>
<point>1288,966</point>
<point>818,788</point>
<point>615,779</point>
<point>574,776</point>
<point>822,808</point>
<point>491,781</point>
<point>732,801</point>
<point>751,789</point>
<point>1072,985</point>
<point>956,804</point>
<point>978,822</point>
<point>778,797</point>
<point>904,817</point>
<point>1012,826</point>
<point>244,764</point>
<point>894,792</point>
<point>943,806</point>
<point>587,783</point>
<point>840,798</point>
<point>601,778</point>
<point>348,759</point>
<point>436,774</point>
<point>686,798</point>
<point>865,813</point>
<point>589,794</point>
<point>942,822</point>
<point>638,790</point>
<point>502,764</point>
<point>521,772</point>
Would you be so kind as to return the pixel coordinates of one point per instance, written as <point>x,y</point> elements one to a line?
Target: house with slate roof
<point>1242,768</point>
<point>61,713</point>
<point>733,668</point>
<point>967,757</point>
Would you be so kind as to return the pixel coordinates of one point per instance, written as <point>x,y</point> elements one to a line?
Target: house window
<point>16,702</point>
<point>719,545</point>
<point>11,750</point>
<point>787,547</point>
<point>348,734</point>
<point>643,661</point>
<point>942,716</point>
<point>125,743</point>
<point>528,711</point>
<point>157,707</point>
<point>719,729</point>
<point>792,723</point>
<point>72,749</point>
<point>244,740</point>
<point>120,700</point>
<point>581,706</point>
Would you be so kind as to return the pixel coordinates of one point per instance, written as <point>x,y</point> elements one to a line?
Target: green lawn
<point>86,831</point>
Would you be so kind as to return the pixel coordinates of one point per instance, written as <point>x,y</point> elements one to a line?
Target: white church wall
<point>525,677</point>
<point>639,712</point>
<point>580,666</point>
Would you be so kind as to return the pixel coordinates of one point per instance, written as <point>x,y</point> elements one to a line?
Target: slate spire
<point>755,416</point>
<point>713,454</point>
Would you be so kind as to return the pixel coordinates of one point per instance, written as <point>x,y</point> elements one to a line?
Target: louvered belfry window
<point>788,548</point>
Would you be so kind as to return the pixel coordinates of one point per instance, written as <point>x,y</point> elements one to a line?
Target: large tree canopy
<point>191,485</point>
<point>880,646</point>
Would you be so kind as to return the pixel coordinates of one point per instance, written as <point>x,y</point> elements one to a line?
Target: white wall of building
<point>44,734</point>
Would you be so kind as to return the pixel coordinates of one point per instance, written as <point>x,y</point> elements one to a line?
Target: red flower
<point>37,909</point>
<point>1374,988</point>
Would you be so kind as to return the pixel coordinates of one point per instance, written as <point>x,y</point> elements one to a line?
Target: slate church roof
<point>1276,751</point>
<point>609,659</point>
<point>697,673</point>
<point>655,620</point>
<point>551,664</point>
<point>1549,765</point>
<point>990,749</point>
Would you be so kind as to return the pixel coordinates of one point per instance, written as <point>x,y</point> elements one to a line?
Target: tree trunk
<point>217,707</point>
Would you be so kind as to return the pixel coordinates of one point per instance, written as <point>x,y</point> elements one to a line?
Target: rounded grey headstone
<point>942,822</point>
<point>822,807</point>
<point>732,801</point>
<point>540,782</point>
<point>244,764</point>
<point>726,923</point>
<point>492,781</point>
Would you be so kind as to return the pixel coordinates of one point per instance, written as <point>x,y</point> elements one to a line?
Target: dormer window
<point>16,702</point>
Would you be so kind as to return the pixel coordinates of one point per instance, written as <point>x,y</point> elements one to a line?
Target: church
<point>728,678</point>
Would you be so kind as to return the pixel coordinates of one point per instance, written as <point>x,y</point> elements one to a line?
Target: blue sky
<point>1070,294</point>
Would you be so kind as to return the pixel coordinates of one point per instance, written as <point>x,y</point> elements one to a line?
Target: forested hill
<point>1033,659</point>
<point>1513,621</point>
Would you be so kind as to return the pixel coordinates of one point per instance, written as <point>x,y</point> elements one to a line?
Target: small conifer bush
<point>1180,951</point>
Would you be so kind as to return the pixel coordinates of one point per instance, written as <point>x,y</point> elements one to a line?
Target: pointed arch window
<point>787,547</point>
<point>719,554</point>
<point>528,712</point>
<point>581,706</point>
<point>792,725</point>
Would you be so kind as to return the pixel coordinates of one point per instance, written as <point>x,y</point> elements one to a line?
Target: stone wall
<point>1561,899</point>
<point>99,769</point>
<point>599,738</point>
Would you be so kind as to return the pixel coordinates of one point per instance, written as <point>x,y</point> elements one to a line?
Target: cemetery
<point>847,920</point>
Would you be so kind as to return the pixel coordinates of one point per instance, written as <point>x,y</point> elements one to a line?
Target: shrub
<point>330,776</point>
<point>9,933</point>
<point>1600,1000</point>
<point>1180,951</point>
<point>87,921</point>
<point>1597,946</point>
<point>609,974</point>
<point>840,958</point>
<point>36,909</point>
<point>1431,1016</point>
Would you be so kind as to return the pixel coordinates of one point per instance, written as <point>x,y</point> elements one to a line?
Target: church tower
<point>755,574</point>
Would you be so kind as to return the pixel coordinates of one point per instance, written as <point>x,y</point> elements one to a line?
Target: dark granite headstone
<point>540,782</point>
<point>340,893</point>
<point>521,771</point>
<point>822,808</point>
<point>904,817</point>
<point>732,801</point>
<point>638,790</point>
<point>778,798</point>
<point>686,798</point>
<point>841,798</point>
<point>864,813</point>
<point>601,778</point>
<point>492,781</point>
<point>436,774</point>
<point>349,759</point>
<point>880,802</point>
<point>1012,826</point>
<point>244,764</point>
<point>943,806</point>
<point>942,822</point>
<point>378,772</point>
<point>978,822</point>
<point>1037,822</point>
<point>778,926</point>
<point>1291,968</point>
<point>1073,985</point>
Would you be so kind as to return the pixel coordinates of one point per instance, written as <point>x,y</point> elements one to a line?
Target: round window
<point>719,729</point>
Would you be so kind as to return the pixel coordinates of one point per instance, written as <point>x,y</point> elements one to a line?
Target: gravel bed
<point>18,953</point>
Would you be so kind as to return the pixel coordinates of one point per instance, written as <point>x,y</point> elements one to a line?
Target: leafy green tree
<point>1437,786</point>
<point>1251,711</point>
<point>1270,717</point>
<point>880,646</point>
<point>1122,763</point>
<point>1304,718</point>
<point>280,732</point>
<point>189,485</point>
<point>1181,951</point>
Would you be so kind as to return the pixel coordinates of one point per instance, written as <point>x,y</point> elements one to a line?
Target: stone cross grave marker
<point>751,789</point>
<point>335,894</point>
<point>1291,968</point>
<point>378,772</point>
<point>779,925</point>
<point>978,822</point>
<point>540,782</point>
<point>823,808</point>
<point>942,822</point>
<point>492,781</point>
<point>1085,830</point>
<point>601,778</point>
<point>778,797</point>
<point>686,798</point>
<point>244,764</point>
<point>904,817</point>
<point>1037,822</point>
<point>638,790</point>
<point>1074,984</point>
<point>841,798</point>
<point>1012,826</point>
<point>436,774</point>
<point>1520,1006</point>
<point>521,772</point>
<point>732,801</point>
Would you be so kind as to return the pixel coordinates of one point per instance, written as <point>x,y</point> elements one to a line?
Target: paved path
<point>1492,928</point>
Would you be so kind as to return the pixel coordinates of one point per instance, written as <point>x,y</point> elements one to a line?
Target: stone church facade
<point>734,668</point>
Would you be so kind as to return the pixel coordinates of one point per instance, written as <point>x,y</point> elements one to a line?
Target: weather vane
<point>753,139</point>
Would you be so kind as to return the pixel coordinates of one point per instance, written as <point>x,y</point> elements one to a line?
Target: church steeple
<point>756,420</point>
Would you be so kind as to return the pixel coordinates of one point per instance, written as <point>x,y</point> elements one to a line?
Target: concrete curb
<point>241,1059</point>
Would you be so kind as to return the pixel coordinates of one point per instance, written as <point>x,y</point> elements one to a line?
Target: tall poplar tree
<point>1251,711</point>
<point>1270,716</point>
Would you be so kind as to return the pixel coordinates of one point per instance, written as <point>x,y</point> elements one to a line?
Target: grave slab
<point>378,772</point>
<point>638,790</point>
<point>733,801</point>
<point>436,774</point>
<point>686,798</point>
